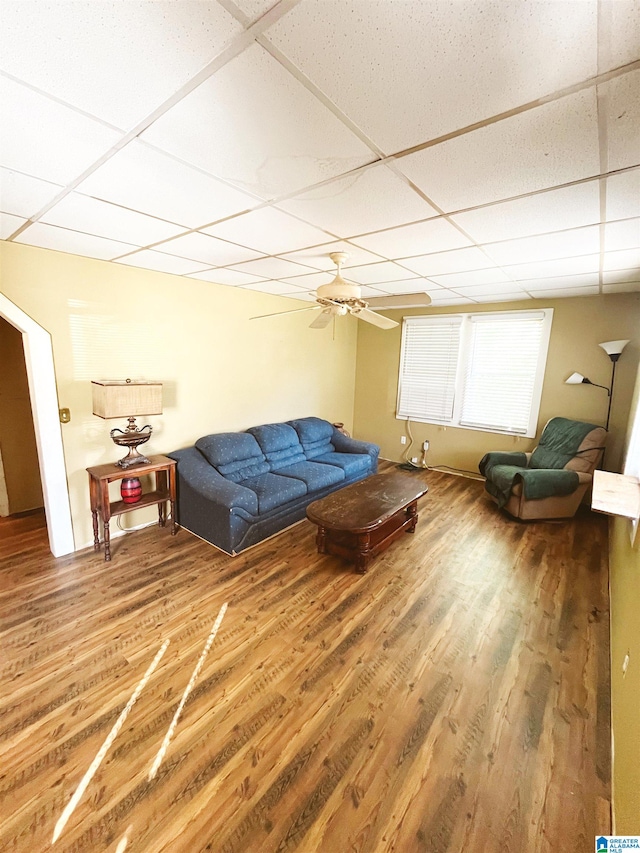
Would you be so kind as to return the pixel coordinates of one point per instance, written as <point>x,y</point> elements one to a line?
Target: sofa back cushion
<point>279,443</point>
<point>235,455</point>
<point>315,436</point>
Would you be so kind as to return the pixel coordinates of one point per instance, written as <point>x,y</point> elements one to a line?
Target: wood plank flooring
<point>454,698</point>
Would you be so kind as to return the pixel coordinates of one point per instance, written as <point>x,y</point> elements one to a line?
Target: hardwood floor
<point>454,698</point>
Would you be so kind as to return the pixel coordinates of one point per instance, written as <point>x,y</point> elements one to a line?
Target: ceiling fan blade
<point>294,311</point>
<point>375,319</point>
<point>322,320</point>
<point>400,300</point>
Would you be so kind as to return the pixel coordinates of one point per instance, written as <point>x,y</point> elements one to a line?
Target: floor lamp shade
<point>128,398</point>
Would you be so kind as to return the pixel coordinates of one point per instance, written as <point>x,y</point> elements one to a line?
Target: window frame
<point>464,353</point>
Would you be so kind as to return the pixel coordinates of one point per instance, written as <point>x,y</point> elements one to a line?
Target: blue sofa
<point>237,488</point>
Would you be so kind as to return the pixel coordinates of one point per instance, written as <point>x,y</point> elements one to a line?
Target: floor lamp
<point>613,349</point>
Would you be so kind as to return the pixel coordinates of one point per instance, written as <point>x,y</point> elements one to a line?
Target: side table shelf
<point>100,476</point>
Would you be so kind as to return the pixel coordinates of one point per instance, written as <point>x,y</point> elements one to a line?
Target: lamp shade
<point>574,379</point>
<point>613,347</point>
<point>126,398</point>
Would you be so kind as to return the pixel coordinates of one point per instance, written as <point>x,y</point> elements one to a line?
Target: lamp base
<point>132,438</point>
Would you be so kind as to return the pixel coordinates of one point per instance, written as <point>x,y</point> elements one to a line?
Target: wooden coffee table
<point>361,520</point>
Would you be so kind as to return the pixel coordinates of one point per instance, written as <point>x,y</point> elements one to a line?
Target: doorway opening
<point>38,355</point>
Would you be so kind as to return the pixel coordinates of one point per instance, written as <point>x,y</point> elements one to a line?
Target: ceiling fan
<point>341,297</point>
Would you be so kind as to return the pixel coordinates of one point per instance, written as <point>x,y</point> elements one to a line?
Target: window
<point>480,371</point>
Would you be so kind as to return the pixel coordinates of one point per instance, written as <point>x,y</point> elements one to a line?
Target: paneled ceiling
<point>479,151</point>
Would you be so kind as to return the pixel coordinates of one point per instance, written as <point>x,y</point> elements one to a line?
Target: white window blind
<point>428,367</point>
<point>479,371</point>
<point>501,371</point>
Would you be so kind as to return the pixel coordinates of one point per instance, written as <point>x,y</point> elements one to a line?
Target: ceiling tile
<point>269,231</point>
<point>311,281</point>
<point>150,260</point>
<point>552,144</point>
<point>623,195</point>
<point>106,220</point>
<point>23,195</point>
<point>552,269</point>
<point>303,296</point>
<point>620,276</point>
<point>460,62</point>
<point>456,260</point>
<point>105,57</point>
<point>255,9</point>
<point>624,234</point>
<point>9,224</point>
<point>45,139</point>
<point>562,294</point>
<point>563,282</point>
<point>569,207</point>
<point>259,128</point>
<point>502,297</point>
<point>276,288</point>
<point>623,22</point>
<point>474,277</point>
<point>318,256</point>
<point>622,260</point>
<point>418,239</point>
<point>146,180</point>
<point>73,242</point>
<point>272,268</point>
<point>622,99</point>
<point>375,273</point>
<point>227,277</point>
<point>622,287</point>
<point>366,291</point>
<point>546,247</point>
<point>369,200</point>
<point>503,289</point>
<point>209,250</point>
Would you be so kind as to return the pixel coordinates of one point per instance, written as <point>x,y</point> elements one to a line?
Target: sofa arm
<point>346,444</point>
<point>207,483</point>
<point>499,457</point>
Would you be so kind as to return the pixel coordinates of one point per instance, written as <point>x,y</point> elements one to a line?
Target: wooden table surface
<point>367,504</point>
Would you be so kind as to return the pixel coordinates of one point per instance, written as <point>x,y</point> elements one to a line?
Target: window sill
<point>616,494</point>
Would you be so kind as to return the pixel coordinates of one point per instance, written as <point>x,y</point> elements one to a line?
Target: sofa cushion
<point>315,436</point>
<point>273,490</point>
<point>280,445</point>
<point>235,455</point>
<point>351,463</point>
<point>315,476</point>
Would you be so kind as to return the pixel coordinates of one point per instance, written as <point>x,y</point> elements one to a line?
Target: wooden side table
<point>165,490</point>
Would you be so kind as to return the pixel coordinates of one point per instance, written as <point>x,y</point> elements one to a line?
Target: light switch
<point>65,416</point>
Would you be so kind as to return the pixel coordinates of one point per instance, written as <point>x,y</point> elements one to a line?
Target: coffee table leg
<point>363,554</point>
<point>321,540</point>
<point>412,513</point>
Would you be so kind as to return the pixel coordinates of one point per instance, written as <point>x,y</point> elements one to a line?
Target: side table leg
<point>174,525</point>
<point>412,513</point>
<point>162,514</point>
<point>96,530</point>
<point>107,542</point>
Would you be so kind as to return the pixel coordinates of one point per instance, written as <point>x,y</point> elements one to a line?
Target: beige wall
<point>578,326</point>
<point>221,371</point>
<point>17,439</point>
<point>624,569</point>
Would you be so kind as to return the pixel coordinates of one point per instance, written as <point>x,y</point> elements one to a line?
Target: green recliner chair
<point>551,481</point>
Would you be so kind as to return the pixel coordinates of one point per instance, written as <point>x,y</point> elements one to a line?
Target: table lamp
<point>128,398</point>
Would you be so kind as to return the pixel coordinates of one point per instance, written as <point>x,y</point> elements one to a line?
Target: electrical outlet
<point>425,445</point>
<point>403,439</point>
<point>414,460</point>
